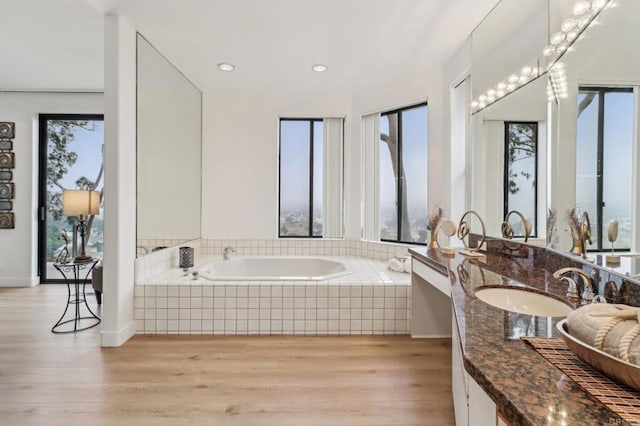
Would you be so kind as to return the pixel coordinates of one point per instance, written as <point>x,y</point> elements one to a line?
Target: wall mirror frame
<point>169,152</point>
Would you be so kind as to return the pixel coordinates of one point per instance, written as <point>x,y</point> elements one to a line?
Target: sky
<point>88,146</point>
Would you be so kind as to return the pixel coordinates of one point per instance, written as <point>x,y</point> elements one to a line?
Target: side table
<point>76,275</point>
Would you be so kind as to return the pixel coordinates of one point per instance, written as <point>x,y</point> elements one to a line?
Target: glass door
<point>71,157</point>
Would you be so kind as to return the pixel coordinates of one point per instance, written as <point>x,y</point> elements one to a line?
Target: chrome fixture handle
<point>572,290</point>
<point>587,281</point>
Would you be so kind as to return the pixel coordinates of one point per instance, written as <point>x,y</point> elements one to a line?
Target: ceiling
<point>58,44</point>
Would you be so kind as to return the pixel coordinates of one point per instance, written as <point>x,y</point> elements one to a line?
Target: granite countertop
<point>526,388</point>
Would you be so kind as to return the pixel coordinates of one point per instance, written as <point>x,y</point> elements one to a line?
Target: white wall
<point>18,247</point>
<point>388,96</point>
<point>240,157</point>
<point>240,151</point>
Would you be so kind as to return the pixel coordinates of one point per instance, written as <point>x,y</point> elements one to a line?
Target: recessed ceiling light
<point>223,66</point>
<point>319,68</point>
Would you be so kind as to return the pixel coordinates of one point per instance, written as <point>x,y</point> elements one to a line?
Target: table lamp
<point>80,202</point>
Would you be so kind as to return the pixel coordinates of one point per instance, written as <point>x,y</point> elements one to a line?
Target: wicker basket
<point>610,366</point>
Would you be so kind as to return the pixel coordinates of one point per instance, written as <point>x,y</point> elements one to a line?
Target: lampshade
<point>79,201</point>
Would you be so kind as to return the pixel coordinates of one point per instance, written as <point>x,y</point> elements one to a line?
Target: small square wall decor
<point>6,145</point>
<point>6,191</point>
<point>7,160</point>
<point>6,221</point>
<point>7,129</point>
<point>6,175</point>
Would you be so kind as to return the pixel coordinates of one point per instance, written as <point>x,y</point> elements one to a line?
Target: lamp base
<point>83,259</point>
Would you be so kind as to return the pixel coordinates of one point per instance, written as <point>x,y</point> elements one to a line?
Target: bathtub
<point>273,269</point>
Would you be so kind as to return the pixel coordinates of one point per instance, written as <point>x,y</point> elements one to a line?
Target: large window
<point>403,175</point>
<point>301,152</point>
<point>520,172</point>
<point>71,157</point>
<point>603,162</point>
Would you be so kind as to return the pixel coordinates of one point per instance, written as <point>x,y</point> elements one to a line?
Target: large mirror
<point>591,157</point>
<point>169,111</point>
<point>595,151</point>
<point>508,152</point>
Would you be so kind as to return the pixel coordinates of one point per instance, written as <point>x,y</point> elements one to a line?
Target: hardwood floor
<point>48,379</point>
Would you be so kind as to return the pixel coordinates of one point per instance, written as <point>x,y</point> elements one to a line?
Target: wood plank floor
<point>48,379</point>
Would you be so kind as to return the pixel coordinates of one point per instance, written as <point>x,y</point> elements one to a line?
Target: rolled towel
<point>395,265</point>
<point>614,329</point>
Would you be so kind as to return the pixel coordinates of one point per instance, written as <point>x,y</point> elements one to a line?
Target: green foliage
<point>523,140</point>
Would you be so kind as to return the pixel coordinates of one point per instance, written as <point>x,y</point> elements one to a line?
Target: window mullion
<point>600,168</point>
<point>311,149</point>
<point>399,180</point>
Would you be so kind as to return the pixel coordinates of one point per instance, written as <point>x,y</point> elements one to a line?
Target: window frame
<point>399,111</point>
<point>602,91</point>
<point>311,122</point>
<point>505,207</point>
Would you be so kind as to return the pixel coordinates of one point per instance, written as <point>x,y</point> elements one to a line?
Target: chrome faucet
<point>588,282</point>
<point>226,251</point>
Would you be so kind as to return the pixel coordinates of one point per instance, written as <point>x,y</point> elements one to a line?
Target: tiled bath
<point>370,300</point>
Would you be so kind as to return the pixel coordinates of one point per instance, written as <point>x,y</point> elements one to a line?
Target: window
<point>604,153</point>
<point>301,160</point>
<point>70,158</point>
<point>520,172</point>
<point>403,175</point>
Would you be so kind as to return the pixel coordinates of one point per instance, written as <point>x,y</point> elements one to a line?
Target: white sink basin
<point>523,302</point>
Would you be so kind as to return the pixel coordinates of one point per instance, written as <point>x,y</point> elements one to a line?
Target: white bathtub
<point>273,269</point>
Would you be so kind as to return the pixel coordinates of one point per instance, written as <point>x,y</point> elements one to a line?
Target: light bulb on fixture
<point>319,68</point>
<point>482,98</point>
<point>491,92</point>
<point>500,93</point>
<point>511,87</point>
<point>491,98</point>
<point>548,50</point>
<point>512,78</point>
<point>571,35</point>
<point>526,71</point>
<point>568,24</point>
<point>598,4</point>
<point>474,104</point>
<point>482,105</point>
<point>584,20</point>
<point>501,86</point>
<point>562,46</point>
<point>557,38</point>
<point>581,7</point>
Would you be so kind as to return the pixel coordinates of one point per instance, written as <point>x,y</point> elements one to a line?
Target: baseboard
<point>20,282</point>
<point>117,338</point>
<point>431,336</point>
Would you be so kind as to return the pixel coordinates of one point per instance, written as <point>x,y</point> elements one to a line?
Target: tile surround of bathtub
<point>250,308</point>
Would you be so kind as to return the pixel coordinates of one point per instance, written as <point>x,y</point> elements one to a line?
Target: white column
<point>120,177</point>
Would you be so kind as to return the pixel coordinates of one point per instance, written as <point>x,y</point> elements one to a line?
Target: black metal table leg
<point>73,275</point>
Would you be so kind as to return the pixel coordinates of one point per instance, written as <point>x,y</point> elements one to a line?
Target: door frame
<point>42,186</point>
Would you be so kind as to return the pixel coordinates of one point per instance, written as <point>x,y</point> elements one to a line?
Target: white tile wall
<point>370,301</point>
<point>294,308</point>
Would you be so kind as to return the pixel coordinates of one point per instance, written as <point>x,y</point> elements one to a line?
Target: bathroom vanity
<point>497,377</point>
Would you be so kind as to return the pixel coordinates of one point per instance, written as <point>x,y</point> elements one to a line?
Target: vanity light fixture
<point>501,89</point>
<point>319,68</point>
<point>226,67</point>
<point>557,87</point>
<point>570,28</point>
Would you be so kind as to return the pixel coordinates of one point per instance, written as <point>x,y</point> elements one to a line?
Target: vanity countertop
<point>526,388</point>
